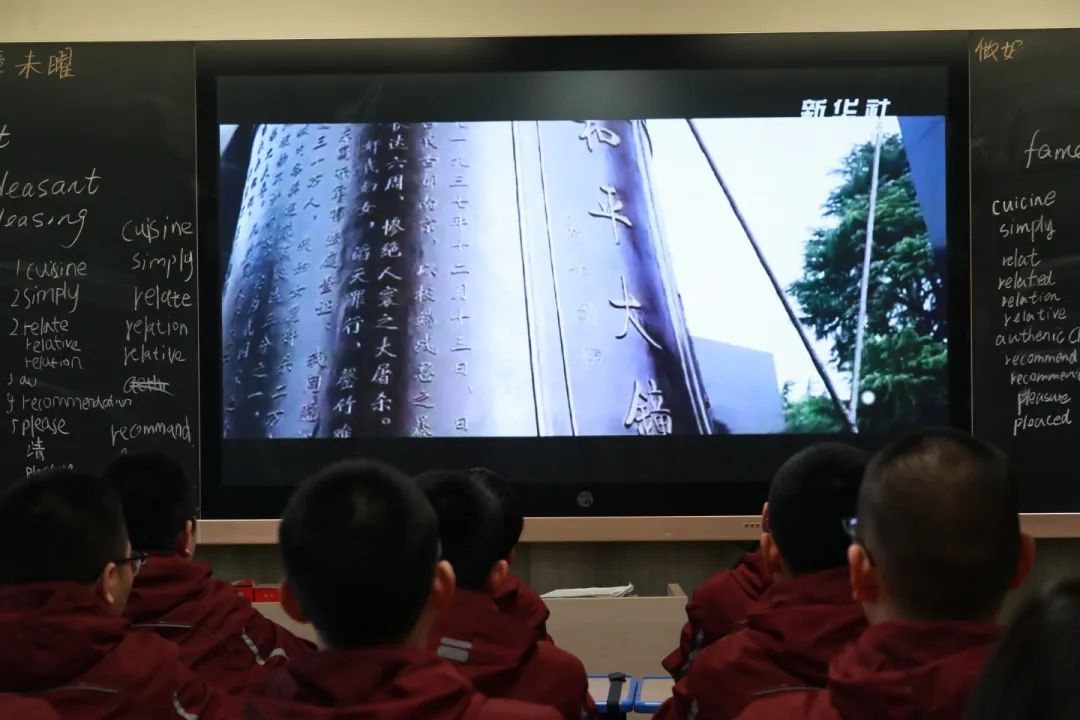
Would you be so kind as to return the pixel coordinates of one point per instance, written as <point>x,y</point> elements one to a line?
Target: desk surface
<point>654,691</point>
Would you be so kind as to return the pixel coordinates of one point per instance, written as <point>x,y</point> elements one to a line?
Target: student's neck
<point>418,638</point>
<point>878,614</point>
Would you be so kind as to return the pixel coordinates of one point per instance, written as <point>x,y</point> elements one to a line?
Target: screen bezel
<point>591,492</point>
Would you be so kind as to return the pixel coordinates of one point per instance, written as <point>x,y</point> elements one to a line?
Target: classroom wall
<point>236,19</point>
<point>649,565</point>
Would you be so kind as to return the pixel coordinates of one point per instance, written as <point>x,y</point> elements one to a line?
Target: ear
<point>865,582</point>
<point>770,553</point>
<point>290,604</point>
<point>497,576</point>
<point>443,585</point>
<point>184,545</point>
<point>1025,562</point>
<point>108,588</point>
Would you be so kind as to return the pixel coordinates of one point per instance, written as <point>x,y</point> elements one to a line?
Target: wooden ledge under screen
<point>618,529</point>
<point>539,530</point>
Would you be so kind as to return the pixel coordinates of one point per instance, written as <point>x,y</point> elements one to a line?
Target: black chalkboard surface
<point>1025,221</point>
<point>98,265</point>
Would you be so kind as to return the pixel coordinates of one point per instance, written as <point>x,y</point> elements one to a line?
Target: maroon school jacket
<point>60,643</point>
<point>379,684</point>
<point>790,637</point>
<point>225,640</point>
<point>896,671</point>
<point>522,603</point>
<point>13,707</point>
<point>503,658</point>
<point>717,607</point>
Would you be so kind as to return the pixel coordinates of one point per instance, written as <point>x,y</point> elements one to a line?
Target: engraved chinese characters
<point>423,280</point>
<point>626,347</point>
<point>393,294</point>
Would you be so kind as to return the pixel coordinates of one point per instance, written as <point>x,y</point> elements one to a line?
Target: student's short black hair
<point>513,517</point>
<point>360,543</point>
<point>810,497</point>
<point>939,513</point>
<point>476,515</point>
<point>1033,671</point>
<point>158,498</point>
<point>59,525</point>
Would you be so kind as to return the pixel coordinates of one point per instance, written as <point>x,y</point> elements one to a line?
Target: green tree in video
<point>904,351</point>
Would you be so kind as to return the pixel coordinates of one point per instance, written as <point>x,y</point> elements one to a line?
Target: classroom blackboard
<point>1025,216</point>
<point>98,259</point>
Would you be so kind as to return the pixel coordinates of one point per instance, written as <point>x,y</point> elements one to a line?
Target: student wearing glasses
<point>936,546</point>
<point>221,636</point>
<point>807,615</point>
<point>66,569</point>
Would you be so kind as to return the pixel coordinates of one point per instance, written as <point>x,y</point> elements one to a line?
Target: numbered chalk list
<point>1025,235</point>
<point>98,265</point>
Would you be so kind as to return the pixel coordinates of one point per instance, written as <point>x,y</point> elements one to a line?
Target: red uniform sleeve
<point>567,686</point>
<point>18,708</point>
<point>193,700</point>
<point>795,704</point>
<point>514,710</point>
<point>716,609</point>
<point>678,662</point>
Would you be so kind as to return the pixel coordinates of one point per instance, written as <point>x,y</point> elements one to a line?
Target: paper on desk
<point>592,592</point>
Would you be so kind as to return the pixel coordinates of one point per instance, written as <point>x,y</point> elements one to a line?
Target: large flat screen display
<point>609,276</point>
<point>580,277</point>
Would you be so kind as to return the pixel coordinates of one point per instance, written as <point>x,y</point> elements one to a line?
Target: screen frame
<point>635,502</point>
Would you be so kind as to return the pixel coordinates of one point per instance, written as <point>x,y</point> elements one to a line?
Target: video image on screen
<point>599,277</point>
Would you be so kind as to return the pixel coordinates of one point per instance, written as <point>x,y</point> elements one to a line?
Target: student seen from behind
<point>66,571</point>
<point>807,615</point>
<point>936,546</point>
<point>360,544</point>
<point>1033,672</point>
<point>717,607</point>
<point>220,635</point>
<point>500,654</point>
<point>514,597</point>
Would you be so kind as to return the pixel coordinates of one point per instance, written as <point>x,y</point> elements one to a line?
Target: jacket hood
<point>366,684</point>
<point>904,670</point>
<point>812,618</point>
<point>53,633</point>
